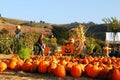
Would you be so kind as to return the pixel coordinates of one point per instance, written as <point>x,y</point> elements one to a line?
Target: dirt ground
<point>20,75</point>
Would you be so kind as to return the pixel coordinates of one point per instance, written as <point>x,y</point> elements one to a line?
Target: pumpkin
<point>3,66</point>
<point>105,59</point>
<point>69,66</point>
<point>12,64</point>
<point>85,61</point>
<point>114,74</point>
<point>76,70</point>
<point>43,66</point>
<point>60,71</point>
<point>26,66</point>
<point>7,62</point>
<point>51,67</point>
<point>63,62</point>
<point>33,67</point>
<point>19,65</point>
<point>103,73</point>
<point>92,70</point>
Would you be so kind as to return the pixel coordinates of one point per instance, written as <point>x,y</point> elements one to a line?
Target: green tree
<point>61,33</point>
<point>113,24</point>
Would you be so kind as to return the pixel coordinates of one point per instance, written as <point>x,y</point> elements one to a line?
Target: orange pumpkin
<point>69,66</point>
<point>92,70</point>
<point>26,66</point>
<point>47,50</point>
<point>105,59</point>
<point>7,62</point>
<point>19,65</point>
<point>12,64</point>
<point>103,73</point>
<point>63,62</point>
<point>43,66</point>
<point>60,71</point>
<point>33,67</point>
<point>3,66</point>
<point>51,67</point>
<point>114,74</point>
<point>85,61</point>
<point>76,70</point>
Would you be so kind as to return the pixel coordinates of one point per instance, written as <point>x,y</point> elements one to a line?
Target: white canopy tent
<point>111,37</point>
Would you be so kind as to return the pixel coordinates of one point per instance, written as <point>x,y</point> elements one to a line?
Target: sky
<point>60,11</point>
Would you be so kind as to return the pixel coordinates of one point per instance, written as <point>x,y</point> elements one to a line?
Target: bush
<point>24,53</point>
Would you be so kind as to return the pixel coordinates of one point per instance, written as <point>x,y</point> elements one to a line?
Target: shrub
<point>24,53</point>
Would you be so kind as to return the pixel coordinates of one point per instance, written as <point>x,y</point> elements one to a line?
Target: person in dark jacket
<point>41,45</point>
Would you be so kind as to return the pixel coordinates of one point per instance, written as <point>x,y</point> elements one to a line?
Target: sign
<point>68,49</point>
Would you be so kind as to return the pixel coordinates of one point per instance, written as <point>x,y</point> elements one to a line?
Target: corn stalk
<point>78,34</point>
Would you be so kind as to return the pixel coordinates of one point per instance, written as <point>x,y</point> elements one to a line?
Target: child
<point>106,50</point>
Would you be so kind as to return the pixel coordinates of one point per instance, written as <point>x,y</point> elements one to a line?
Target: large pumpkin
<point>76,70</point>
<point>114,74</point>
<point>60,71</point>
<point>92,70</point>
<point>43,66</point>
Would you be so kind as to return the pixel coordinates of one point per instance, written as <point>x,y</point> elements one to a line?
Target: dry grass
<point>24,29</point>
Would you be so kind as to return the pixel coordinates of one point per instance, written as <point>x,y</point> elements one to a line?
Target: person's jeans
<point>41,49</point>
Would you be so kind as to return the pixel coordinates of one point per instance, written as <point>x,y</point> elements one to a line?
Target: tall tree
<point>113,24</point>
<point>61,32</point>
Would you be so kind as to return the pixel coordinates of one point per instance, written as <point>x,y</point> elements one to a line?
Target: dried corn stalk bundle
<point>78,34</point>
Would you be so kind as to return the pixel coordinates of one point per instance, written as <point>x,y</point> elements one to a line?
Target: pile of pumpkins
<point>94,67</point>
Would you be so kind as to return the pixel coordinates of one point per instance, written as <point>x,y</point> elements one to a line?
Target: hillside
<point>95,30</point>
<point>10,24</point>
